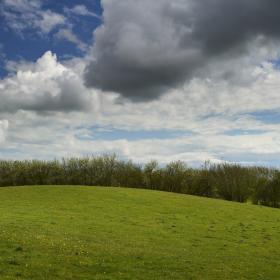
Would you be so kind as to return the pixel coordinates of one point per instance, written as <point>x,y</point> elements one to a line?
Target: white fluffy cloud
<point>44,86</point>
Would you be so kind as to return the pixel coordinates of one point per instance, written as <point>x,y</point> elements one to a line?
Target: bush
<point>232,182</point>
<point>267,191</point>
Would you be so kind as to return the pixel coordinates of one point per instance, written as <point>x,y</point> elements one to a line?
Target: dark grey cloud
<point>145,48</point>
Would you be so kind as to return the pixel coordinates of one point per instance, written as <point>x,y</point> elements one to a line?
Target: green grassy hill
<point>109,233</point>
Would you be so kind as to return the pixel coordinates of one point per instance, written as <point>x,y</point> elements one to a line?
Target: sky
<point>189,80</point>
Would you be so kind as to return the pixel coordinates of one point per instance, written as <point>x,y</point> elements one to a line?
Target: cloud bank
<point>213,119</point>
<point>145,48</point>
<point>212,63</point>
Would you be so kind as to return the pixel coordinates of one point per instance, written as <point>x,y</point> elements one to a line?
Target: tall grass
<point>225,181</point>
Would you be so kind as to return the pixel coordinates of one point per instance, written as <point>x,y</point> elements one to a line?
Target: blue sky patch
<point>237,132</point>
<point>268,117</point>
<point>119,134</point>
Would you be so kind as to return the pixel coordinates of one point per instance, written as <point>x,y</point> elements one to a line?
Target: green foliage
<point>225,181</point>
<point>173,176</point>
<point>232,182</point>
<point>267,192</point>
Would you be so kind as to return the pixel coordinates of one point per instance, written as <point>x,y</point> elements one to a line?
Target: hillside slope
<point>109,233</point>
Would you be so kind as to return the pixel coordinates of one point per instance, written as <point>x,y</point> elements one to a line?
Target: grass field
<point>109,233</point>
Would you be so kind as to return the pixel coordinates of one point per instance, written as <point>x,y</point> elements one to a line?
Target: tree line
<point>232,182</point>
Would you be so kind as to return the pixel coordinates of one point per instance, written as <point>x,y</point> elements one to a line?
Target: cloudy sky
<point>189,80</point>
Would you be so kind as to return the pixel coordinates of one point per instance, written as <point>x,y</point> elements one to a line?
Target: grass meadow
<point>66,232</point>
